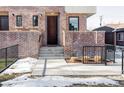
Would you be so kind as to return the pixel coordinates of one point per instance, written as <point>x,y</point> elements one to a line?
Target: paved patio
<point>60,67</point>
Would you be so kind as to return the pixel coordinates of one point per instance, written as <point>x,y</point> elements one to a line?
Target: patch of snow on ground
<point>118,56</point>
<point>21,66</point>
<point>58,81</point>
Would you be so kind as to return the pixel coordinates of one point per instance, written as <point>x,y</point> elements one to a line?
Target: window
<point>18,20</point>
<point>35,20</point>
<point>74,23</point>
<point>4,23</point>
<point>120,36</point>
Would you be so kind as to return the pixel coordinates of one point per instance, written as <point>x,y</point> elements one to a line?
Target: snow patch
<point>58,81</point>
<point>21,66</point>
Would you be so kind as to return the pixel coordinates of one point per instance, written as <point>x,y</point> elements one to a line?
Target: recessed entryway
<point>52,30</point>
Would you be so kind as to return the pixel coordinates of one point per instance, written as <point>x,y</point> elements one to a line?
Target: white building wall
<point>89,10</point>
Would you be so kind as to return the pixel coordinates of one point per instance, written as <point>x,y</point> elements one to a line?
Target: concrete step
<point>51,55</point>
<point>58,47</point>
<point>51,49</point>
<point>51,52</point>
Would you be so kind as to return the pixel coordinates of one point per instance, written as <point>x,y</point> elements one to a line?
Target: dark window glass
<point>4,23</point>
<point>120,36</point>
<point>18,20</point>
<point>74,23</point>
<point>35,20</point>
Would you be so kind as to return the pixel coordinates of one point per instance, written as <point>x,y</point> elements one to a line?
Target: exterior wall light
<point>13,14</point>
<point>40,14</point>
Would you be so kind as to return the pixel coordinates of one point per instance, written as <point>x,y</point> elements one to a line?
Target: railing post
<point>105,56</point>
<point>83,54</point>
<point>122,62</point>
<point>114,53</point>
<point>5,57</point>
<point>101,54</point>
<point>17,51</point>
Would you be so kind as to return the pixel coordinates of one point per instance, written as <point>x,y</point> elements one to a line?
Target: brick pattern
<point>74,41</point>
<point>27,36</point>
<point>28,42</point>
<point>28,11</point>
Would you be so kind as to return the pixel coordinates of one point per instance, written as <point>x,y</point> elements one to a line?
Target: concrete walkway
<point>60,67</point>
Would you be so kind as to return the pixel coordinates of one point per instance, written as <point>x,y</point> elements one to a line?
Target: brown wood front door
<point>52,26</point>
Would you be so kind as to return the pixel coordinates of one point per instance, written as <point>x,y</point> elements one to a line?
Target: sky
<point>110,14</point>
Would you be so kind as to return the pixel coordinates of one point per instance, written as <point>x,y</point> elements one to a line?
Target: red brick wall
<point>28,42</point>
<point>76,40</point>
<point>28,11</point>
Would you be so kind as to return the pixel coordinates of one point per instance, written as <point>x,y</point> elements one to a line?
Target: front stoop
<point>45,54</point>
<point>51,53</point>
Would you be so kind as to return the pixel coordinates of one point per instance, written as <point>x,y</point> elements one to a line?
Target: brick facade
<point>42,12</point>
<point>27,36</point>
<point>28,12</point>
<point>74,41</point>
<point>28,42</point>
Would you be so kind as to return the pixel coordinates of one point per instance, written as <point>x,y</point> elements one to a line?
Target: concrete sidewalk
<point>59,67</point>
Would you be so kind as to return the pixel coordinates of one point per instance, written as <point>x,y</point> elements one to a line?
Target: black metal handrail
<point>8,56</point>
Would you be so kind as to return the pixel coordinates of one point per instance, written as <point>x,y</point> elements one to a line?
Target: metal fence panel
<point>98,54</point>
<point>122,66</point>
<point>93,54</point>
<point>2,58</point>
<point>8,56</point>
<point>110,53</point>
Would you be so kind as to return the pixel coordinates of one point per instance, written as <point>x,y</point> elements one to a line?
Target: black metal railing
<point>110,52</point>
<point>99,54</point>
<point>8,56</point>
<point>93,54</point>
<point>122,65</point>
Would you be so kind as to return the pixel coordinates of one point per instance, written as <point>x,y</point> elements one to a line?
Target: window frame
<point>33,21</point>
<point>69,22</point>
<point>6,29</point>
<point>17,21</point>
<point>120,36</point>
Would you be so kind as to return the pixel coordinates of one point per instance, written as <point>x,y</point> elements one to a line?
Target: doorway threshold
<point>53,45</point>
